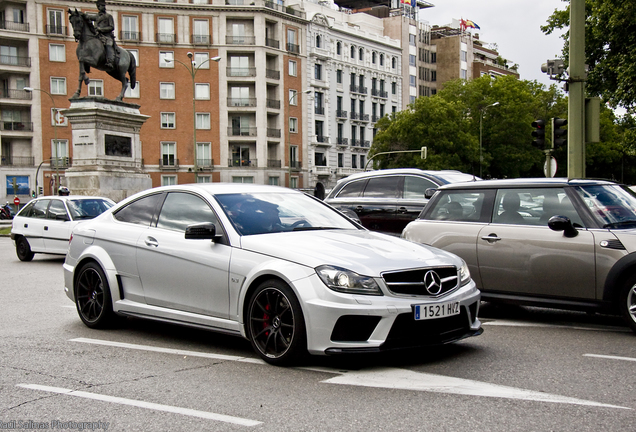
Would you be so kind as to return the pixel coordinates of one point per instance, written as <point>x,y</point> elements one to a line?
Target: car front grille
<point>427,282</point>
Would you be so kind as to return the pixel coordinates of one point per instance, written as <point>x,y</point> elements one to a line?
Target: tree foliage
<point>610,48</point>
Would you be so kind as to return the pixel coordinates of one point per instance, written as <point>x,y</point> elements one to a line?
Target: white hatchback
<point>44,225</point>
<point>274,265</point>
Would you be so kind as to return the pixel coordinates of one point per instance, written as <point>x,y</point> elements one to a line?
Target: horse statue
<point>91,52</point>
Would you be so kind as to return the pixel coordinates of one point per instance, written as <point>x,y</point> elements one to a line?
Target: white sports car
<point>271,264</point>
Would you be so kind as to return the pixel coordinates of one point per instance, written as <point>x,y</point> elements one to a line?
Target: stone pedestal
<point>106,149</point>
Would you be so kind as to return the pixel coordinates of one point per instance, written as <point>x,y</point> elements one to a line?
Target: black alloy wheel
<point>23,249</point>
<point>92,296</point>
<point>276,326</point>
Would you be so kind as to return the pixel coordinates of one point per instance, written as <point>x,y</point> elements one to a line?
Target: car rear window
<point>353,189</point>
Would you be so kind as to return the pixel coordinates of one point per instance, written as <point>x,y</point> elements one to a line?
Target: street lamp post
<point>481,118</point>
<point>57,160</point>
<point>289,146</point>
<point>193,69</point>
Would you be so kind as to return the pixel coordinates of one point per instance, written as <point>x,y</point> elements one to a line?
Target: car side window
<point>39,209</point>
<point>382,187</point>
<point>457,206</point>
<point>414,187</point>
<point>57,211</point>
<point>139,212</point>
<point>353,189</point>
<point>27,210</point>
<point>533,206</point>
<point>182,209</point>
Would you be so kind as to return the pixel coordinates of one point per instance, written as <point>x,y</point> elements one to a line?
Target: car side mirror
<point>202,231</point>
<point>428,193</point>
<point>562,223</point>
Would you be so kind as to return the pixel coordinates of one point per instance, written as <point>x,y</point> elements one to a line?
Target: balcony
<point>274,163</point>
<point>294,12</point>
<point>240,40</point>
<point>129,36</point>
<point>16,126</point>
<point>56,30</point>
<point>375,118</point>
<point>241,131</point>
<point>273,133</point>
<point>14,26</point>
<point>15,94</point>
<point>293,48</point>
<point>15,60</point>
<point>200,39</point>
<point>356,143</point>
<point>272,43</point>
<point>353,116</point>
<point>379,93</point>
<point>364,117</point>
<point>295,165</point>
<point>166,38</point>
<point>321,139</point>
<point>241,72</point>
<point>17,161</point>
<point>241,102</point>
<point>272,5</point>
<point>342,141</point>
<point>237,162</point>
<point>341,114</point>
<point>168,163</point>
<point>273,103</point>
<point>319,110</point>
<point>205,164</point>
<point>272,74</point>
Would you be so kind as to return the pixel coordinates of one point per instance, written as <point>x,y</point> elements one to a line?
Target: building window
<point>202,91</point>
<point>361,54</point>
<point>381,59</point>
<point>166,30</point>
<point>412,80</point>
<point>135,54</point>
<point>57,53</point>
<point>168,120</point>
<point>340,160</point>
<point>129,28</point>
<point>463,55</point>
<point>412,60</point>
<point>203,120</point>
<point>204,154</point>
<point>166,59</point>
<point>463,73</point>
<point>393,87</point>
<point>373,55</point>
<point>166,90</point>
<point>133,93</point>
<point>434,57</point>
<point>433,75</point>
<point>339,76</point>
<point>412,40</point>
<point>338,48</point>
<point>318,72</point>
<point>59,150</point>
<point>201,31</point>
<point>292,68</point>
<point>293,125</point>
<point>353,52</point>
<point>320,159</point>
<point>237,179</point>
<point>293,183</point>
<point>168,154</point>
<point>169,180</point>
<point>96,88</point>
<point>318,41</point>
<point>58,86</point>
<point>293,97</point>
<point>204,179</point>
<point>273,181</point>
<point>201,60</point>
<point>393,62</point>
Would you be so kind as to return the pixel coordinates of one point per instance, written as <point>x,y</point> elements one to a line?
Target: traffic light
<point>32,193</point>
<point>538,133</point>
<point>40,190</point>
<point>559,135</point>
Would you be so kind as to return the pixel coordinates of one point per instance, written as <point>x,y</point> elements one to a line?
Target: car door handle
<point>26,225</point>
<point>402,210</point>
<point>46,228</point>
<point>150,241</point>
<point>491,238</point>
<point>359,208</point>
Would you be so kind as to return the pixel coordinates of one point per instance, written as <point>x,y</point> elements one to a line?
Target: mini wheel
<point>275,324</point>
<point>92,297</point>
<point>627,302</point>
<point>23,249</point>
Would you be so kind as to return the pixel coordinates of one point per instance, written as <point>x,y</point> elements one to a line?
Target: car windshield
<point>261,213</point>
<point>87,208</point>
<point>614,206</point>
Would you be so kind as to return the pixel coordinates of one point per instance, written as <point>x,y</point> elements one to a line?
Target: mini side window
<point>458,206</point>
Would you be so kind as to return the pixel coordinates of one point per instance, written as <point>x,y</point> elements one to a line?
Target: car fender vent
<point>612,244</point>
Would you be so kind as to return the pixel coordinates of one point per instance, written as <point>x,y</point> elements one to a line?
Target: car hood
<point>365,252</point>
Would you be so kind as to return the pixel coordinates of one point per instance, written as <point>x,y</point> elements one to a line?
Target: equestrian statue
<point>97,48</point>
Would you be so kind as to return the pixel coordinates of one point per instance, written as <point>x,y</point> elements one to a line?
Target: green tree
<point>610,48</point>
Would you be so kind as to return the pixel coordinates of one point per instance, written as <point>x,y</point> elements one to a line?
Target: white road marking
<point>168,350</point>
<point>392,378</point>
<point>408,380</point>
<point>533,324</point>
<point>143,404</point>
<point>610,357</point>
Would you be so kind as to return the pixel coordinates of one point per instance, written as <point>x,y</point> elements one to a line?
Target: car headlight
<point>464,274</point>
<point>346,281</point>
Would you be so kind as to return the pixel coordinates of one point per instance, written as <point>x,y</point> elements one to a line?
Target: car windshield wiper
<point>314,228</point>
<point>620,224</point>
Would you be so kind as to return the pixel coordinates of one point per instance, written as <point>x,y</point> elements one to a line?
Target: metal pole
<point>576,99</point>
<point>481,119</point>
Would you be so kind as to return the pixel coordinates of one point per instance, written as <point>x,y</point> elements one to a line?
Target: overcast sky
<point>514,25</point>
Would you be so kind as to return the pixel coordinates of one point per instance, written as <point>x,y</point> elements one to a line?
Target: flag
<point>472,24</point>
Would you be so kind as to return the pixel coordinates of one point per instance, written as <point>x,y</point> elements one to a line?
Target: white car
<point>271,264</point>
<point>44,225</point>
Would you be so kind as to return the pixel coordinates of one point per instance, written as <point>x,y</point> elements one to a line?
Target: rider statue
<point>105,25</point>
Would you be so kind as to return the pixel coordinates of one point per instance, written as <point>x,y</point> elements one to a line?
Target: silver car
<point>44,225</point>
<point>544,242</point>
<point>270,264</point>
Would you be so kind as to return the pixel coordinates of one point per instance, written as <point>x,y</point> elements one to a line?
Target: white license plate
<point>439,310</point>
